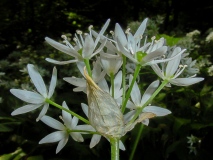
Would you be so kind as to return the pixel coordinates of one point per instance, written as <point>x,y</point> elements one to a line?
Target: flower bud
<point>104,114</point>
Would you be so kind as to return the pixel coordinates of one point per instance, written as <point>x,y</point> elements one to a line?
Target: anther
<point>79,32</point>
<point>127,31</point>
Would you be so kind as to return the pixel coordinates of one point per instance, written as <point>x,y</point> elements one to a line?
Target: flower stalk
<point>114,142</point>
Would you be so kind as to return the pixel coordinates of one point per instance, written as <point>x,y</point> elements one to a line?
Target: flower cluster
<point>110,67</point>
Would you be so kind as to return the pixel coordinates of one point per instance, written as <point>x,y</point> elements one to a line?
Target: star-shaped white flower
<point>85,46</point>
<point>65,130</point>
<point>138,101</point>
<point>172,69</point>
<point>35,99</point>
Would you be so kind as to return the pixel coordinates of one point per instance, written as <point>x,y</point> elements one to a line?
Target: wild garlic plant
<point>110,67</point>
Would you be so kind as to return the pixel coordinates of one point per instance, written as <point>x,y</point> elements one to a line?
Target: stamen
<point>153,38</point>
<point>79,32</point>
<point>127,31</point>
<point>112,33</point>
<point>64,37</point>
<point>90,27</point>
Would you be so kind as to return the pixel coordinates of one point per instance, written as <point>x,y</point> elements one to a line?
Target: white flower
<point>111,63</point>
<point>85,47</point>
<point>35,99</point>
<point>209,37</point>
<point>138,101</point>
<point>65,129</point>
<point>172,70</point>
<point>96,137</point>
<point>80,83</point>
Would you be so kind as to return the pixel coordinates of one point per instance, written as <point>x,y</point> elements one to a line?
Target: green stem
<point>112,84</point>
<point>136,142</point>
<point>86,62</point>
<point>137,70</point>
<point>114,142</point>
<point>124,78</point>
<point>67,110</point>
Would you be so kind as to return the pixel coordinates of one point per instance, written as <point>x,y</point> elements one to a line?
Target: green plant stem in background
<point>137,70</point>
<point>86,62</point>
<point>67,110</point>
<point>136,142</point>
<point>114,142</point>
<point>124,78</point>
<point>112,84</point>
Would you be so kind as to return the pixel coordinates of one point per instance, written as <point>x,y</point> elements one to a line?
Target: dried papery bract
<point>104,113</point>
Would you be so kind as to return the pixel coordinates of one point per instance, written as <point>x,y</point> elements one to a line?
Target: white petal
<point>79,82</point>
<point>62,48</point>
<point>61,144</point>
<point>74,122</point>
<point>173,65</point>
<point>52,123</point>
<point>141,29</point>
<point>185,81</point>
<point>53,137</point>
<point>145,122</point>
<point>121,146</point>
<point>52,83</point>
<point>149,91</point>
<point>60,62</point>
<point>103,85</point>
<point>119,34</point>
<point>128,116</point>
<point>157,110</point>
<point>84,108</point>
<point>157,70</point>
<point>25,109</point>
<point>43,111</point>
<point>117,82</point>
<point>135,93</point>
<point>85,128</point>
<point>28,96</point>
<point>37,80</point>
<point>88,47</point>
<point>77,136</point>
<point>95,140</point>
<point>155,54</point>
<point>67,118</point>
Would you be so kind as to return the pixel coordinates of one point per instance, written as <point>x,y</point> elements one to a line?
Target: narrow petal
<point>173,65</point>
<point>61,144</point>
<point>77,136</point>
<point>141,29</point>
<point>52,123</point>
<point>85,128</point>
<point>157,70</point>
<point>52,83</point>
<point>155,54</point>
<point>62,48</point>
<point>149,91</point>
<point>79,82</point>
<point>37,80</point>
<point>103,85</point>
<point>135,93</point>
<point>158,111</point>
<point>67,118</point>
<point>60,62</point>
<point>43,111</point>
<point>88,47</point>
<point>74,122</point>
<point>53,137</point>
<point>121,146</point>
<point>185,81</point>
<point>128,116</point>
<point>25,109</point>
<point>95,140</point>
<point>84,108</point>
<point>28,96</point>
<point>119,34</point>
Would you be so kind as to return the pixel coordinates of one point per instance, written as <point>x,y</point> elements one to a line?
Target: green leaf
<point>38,157</point>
